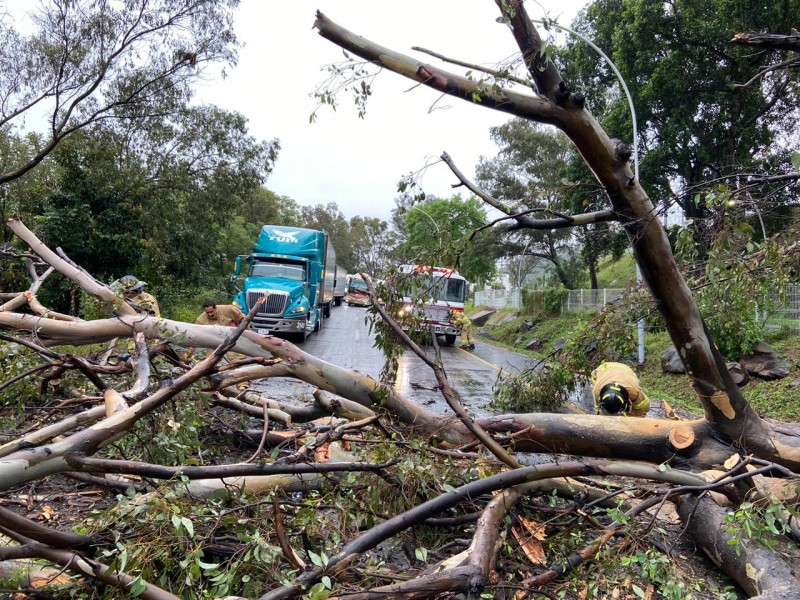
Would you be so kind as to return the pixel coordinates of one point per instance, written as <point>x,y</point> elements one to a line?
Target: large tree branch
<point>724,405</point>
<point>437,79</point>
<point>773,41</point>
<point>507,479</point>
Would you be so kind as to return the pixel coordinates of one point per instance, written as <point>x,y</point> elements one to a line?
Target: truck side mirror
<point>237,266</point>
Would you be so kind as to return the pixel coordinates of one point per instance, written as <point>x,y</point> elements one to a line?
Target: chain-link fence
<point>788,314</point>
<point>579,300</point>
<point>499,298</point>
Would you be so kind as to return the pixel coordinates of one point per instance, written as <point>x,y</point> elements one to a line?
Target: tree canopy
<point>90,61</point>
<point>700,116</point>
<point>441,228</point>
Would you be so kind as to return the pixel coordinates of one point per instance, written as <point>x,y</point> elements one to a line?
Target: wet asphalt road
<point>345,340</point>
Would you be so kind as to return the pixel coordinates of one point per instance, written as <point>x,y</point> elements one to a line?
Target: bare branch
<point>502,75</point>
<point>524,222</point>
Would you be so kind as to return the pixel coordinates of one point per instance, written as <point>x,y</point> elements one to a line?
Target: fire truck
<point>434,293</point>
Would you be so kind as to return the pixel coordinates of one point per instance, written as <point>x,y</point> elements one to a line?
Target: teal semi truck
<point>294,269</point>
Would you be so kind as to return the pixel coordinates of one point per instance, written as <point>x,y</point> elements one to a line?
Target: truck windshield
<point>450,290</point>
<point>357,285</point>
<point>279,270</point>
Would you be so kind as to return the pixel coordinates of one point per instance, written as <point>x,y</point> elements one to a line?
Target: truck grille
<point>275,303</point>
<point>437,313</point>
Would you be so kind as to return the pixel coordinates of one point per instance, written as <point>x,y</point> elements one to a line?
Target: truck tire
<point>450,339</point>
<point>318,324</point>
<point>326,310</point>
<point>337,301</point>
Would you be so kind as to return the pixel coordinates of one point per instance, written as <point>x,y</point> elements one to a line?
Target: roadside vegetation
<point>572,333</point>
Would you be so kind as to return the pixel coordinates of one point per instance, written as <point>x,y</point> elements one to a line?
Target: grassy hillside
<point>616,274</point>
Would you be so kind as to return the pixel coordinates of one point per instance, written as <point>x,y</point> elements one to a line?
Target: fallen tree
<point>694,446</point>
<point>367,412</point>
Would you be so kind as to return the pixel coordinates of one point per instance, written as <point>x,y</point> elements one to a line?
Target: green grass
<point>616,274</point>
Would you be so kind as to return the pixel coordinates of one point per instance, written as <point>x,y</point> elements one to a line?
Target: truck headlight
<point>297,310</point>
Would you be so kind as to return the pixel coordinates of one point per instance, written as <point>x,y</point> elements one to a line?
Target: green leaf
<point>318,592</point>
<point>138,586</point>
<point>315,558</point>
<point>188,525</point>
<point>421,554</point>
<point>638,591</point>
<point>449,488</point>
<point>796,160</point>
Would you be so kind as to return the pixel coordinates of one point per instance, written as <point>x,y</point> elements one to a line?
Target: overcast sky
<point>358,162</point>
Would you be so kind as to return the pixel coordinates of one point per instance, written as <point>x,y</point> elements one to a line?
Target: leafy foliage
<point>437,233</point>
<point>83,61</point>
<point>740,283</point>
<point>697,123</point>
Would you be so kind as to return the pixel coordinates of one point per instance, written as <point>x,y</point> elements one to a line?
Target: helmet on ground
<point>129,283</point>
<point>614,398</point>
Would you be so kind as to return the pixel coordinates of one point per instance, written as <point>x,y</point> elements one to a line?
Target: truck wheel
<point>327,310</point>
<point>337,301</point>
<point>450,339</point>
<point>318,324</point>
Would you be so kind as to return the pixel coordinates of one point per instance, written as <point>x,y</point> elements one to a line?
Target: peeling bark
<point>759,570</point>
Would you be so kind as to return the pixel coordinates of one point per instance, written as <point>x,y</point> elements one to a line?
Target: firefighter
<point>133,291</point>
<point>616,390</point>
<point>224,314</point>
<point>459,317</point>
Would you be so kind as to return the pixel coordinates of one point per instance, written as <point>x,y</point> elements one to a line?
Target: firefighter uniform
<point>460,318</point>
<point>614,372</point>
<point>147,302</point>
<point>227,314</point>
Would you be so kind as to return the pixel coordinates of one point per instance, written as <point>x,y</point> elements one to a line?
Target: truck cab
<point>437,293</point>
<point>288,267</point>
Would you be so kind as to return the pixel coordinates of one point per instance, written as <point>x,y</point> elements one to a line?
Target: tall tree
<point>375,245</point>
<point>87,61</point>
<point>328,217</point>
<point>441,228</point>
<point>697,121</point>
<point>155,199</point>
<point>528,175</point>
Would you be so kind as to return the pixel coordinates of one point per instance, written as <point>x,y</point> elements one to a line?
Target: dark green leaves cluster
<point>696,121</point>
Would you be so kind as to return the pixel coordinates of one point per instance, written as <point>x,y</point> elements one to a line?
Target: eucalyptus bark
<point>761,571</point>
